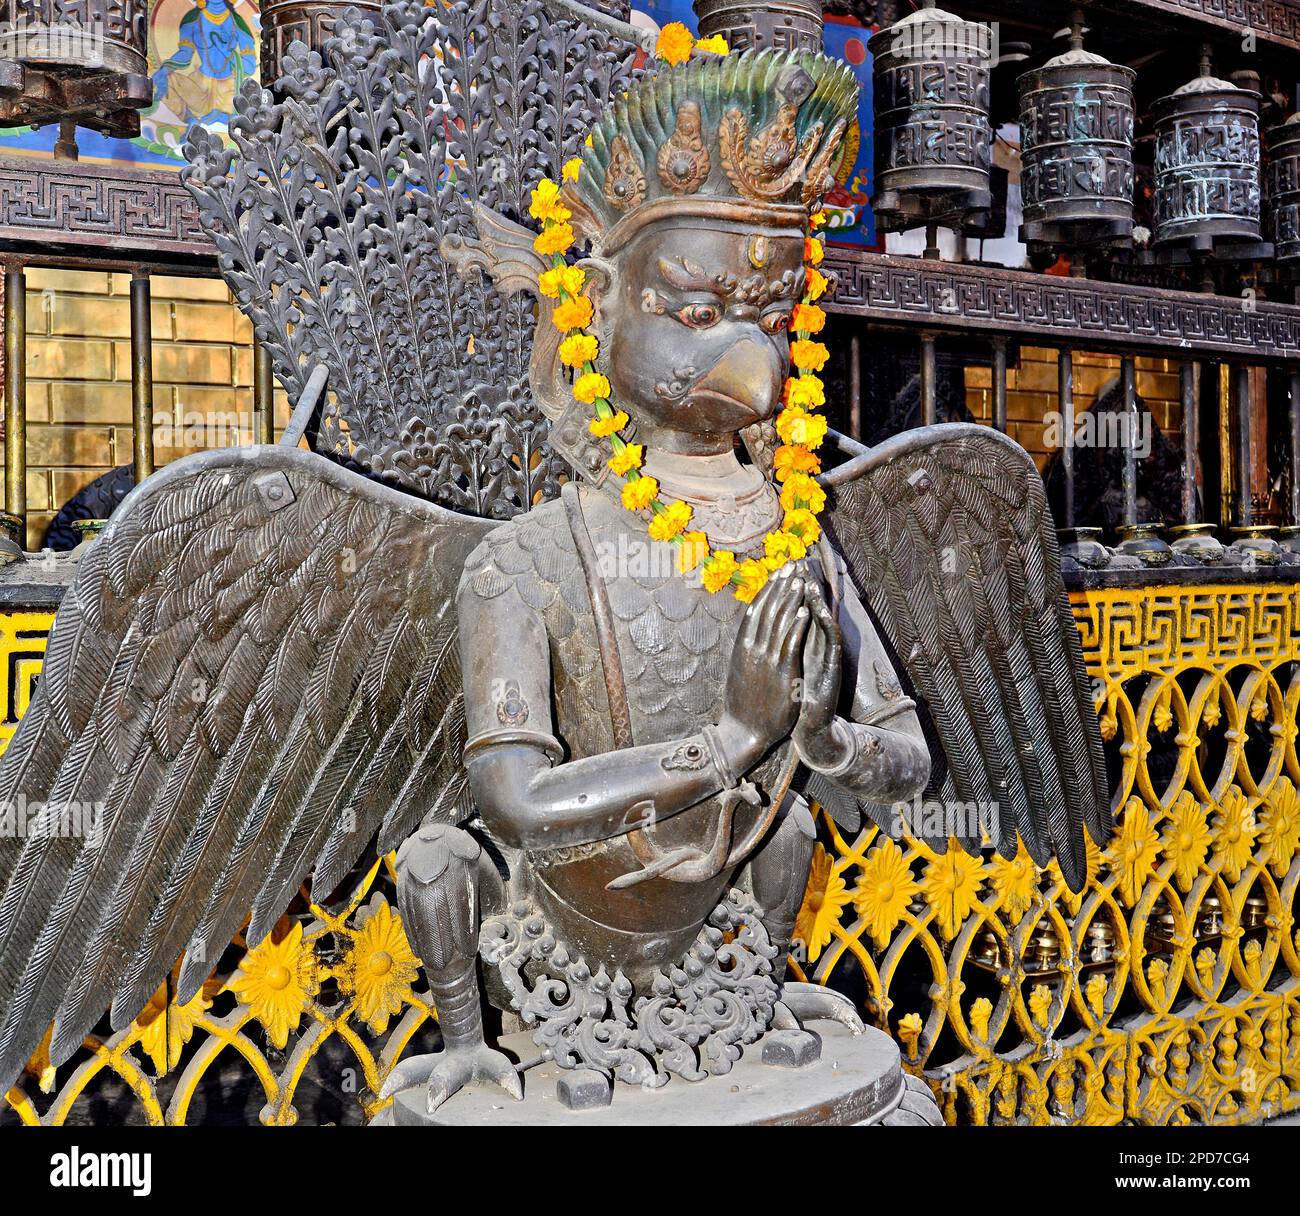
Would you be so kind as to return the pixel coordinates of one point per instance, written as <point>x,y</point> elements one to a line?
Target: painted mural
<point>201,52</point>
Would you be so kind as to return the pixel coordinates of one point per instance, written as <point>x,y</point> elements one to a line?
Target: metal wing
<point>948,536</point>
<point>255,670</point>
<point>342,185</point>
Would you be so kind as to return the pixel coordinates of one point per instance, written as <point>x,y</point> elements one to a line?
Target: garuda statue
<point>450,627</point>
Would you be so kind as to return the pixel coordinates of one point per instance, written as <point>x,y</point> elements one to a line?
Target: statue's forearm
<point>531,805</point>
<point>878,763</point>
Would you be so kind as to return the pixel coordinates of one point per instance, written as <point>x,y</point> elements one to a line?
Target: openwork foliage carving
<point>329,211</point>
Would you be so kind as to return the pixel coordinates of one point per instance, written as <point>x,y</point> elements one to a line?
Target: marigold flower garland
<point>801,431</point>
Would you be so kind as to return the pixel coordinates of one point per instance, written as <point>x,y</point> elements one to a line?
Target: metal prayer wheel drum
<point>1207,166</point>
<point>287,21</point>
<point>1076,127</point>
<point>1283,188</point>
<point>933,137</point>
<point>87,62</point>
<point>784,24</point>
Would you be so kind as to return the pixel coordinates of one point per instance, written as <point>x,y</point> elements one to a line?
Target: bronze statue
<point>596,768</point>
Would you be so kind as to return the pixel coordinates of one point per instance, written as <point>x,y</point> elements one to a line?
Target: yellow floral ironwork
<point>1167,992</point>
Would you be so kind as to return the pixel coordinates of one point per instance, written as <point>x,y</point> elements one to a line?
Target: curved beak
<point>747,376</point>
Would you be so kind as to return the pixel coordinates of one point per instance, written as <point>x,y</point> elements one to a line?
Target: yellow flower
<point>383,966</point>
<point>568,279</point>
<point>587,388</point>
<point>717,45</point>
<point>950,885</point>
<point>573,314</point>
<point>884,890</point>
<point>1281,826</point>
<point>670,522</point>
<point>546,203</point>
<point>164,1031</point>
<point>717,574</point>
<point>578,349</point>
<point>801,491</point>
<point>804,525</point>
<point>909,1030</point>
<point>817,219</point>
<point>782,547</point>
<point>1187,839</point>
<point>694,548</point>
<point>815,284</point>
<point>603,428</point>
<point>1132,851</point>
<point>807,319</point>
<point>628,459</point>
<point>1015,881</point>
<point>753,575</point>
<point>789,460</point>
<point>674,43</point>
<point>554,238</point>
<point>813,251</point>
<point>805,392</point>
<point>639,494</point>
<point>1235,830</point>
<point>808,356</point>
<point>824,899</point>
<point>797,426</point>
<point>571,169</point>
<point>276,981</point>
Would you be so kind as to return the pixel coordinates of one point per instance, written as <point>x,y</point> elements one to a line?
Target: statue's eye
<point>776,322</point>
<point>700,316</point>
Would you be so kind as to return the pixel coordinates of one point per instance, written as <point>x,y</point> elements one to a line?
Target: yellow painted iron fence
<point>1165,993</point>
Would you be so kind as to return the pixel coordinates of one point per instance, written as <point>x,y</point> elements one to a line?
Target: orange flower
<point>603,428</point>
<point>693,549</point>
<point>807,319</point>
<point>629,458</point>
<point>589,387</point>
<point>797,426</point>
<point>789,460</point>
<point>639,494</point>
<point>717,574</point>
<point>578,349</point>
<point>804,525</point>
<point>752,575</point>
<point>808,356</point>
<point>674,43</point>
<point>670,522</point>
<point>815,284</point>
<point>813,251</point>
<point>573,314</point>
<point>554,238</point>
<point>801,491</point>
<point>567,279</point>
<point>546,203</point>
<point>804,392</point>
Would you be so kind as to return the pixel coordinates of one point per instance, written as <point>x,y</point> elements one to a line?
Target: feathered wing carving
<point>948,536</point>
<point>254,673</point>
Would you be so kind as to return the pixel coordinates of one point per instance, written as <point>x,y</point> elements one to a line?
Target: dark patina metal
<point>1207,165</point>
<point>933,138</point>
<point>784,24</point>
<point>1283,189</point>
<point>1076,123</point>
<point>85,63</point>
<point>307,21</point>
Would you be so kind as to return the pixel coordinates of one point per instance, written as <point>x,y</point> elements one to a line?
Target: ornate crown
<point>758,130</point>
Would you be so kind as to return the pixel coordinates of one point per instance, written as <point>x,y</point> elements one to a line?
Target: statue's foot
<point>448,1072</point>
<point>802,1003</point>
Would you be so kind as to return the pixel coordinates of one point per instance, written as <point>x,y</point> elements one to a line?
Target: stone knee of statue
<point>440,873</point>
<point>778,876</point>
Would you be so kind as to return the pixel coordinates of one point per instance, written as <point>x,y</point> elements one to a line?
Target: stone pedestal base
<point>858,1080</point>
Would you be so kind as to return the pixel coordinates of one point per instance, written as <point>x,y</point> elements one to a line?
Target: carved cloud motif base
<point>858,1080</point>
